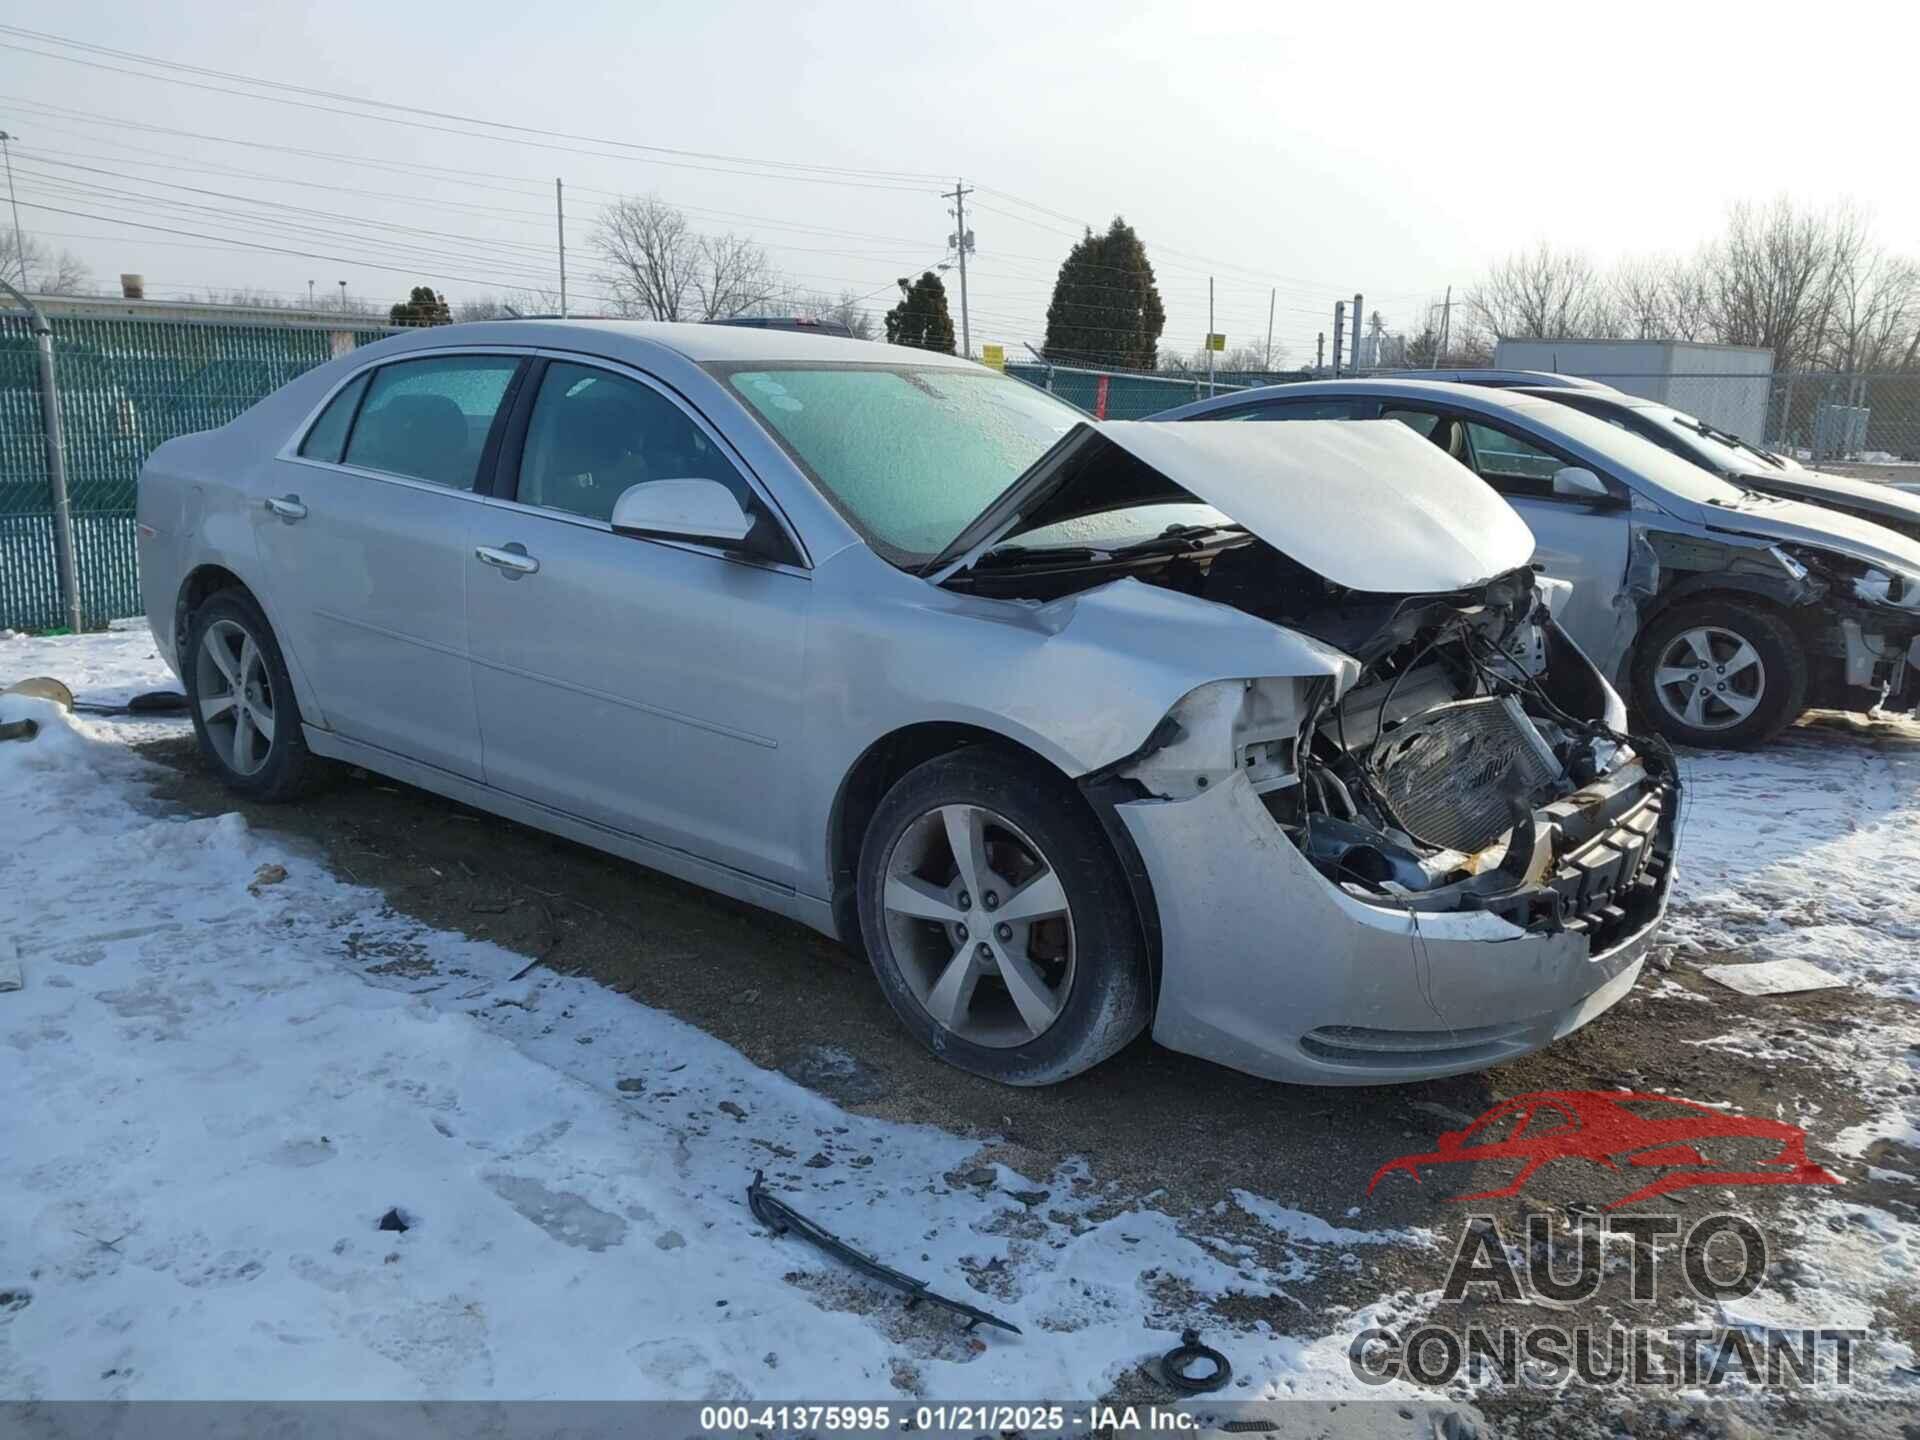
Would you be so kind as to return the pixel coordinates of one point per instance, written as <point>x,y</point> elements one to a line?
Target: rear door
<point>652,686</point>
<point>364,525</point>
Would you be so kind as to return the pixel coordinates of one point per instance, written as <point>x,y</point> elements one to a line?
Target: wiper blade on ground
<point>780,1218</point>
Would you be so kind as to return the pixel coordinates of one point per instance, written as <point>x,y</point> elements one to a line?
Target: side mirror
<point>702,510</point>
<point>1576,482</point>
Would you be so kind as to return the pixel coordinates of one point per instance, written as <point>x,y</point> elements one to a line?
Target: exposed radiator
<point>1459,776</point>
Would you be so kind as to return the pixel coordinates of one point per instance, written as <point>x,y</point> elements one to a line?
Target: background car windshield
<point>1638,457</point>
<point>1729,459</point>
<point>909,454</point>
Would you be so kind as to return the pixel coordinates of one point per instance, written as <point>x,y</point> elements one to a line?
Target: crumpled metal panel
<point>1460,775</point>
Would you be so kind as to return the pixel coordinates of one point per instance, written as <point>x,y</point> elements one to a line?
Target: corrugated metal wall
<point>125,386</point>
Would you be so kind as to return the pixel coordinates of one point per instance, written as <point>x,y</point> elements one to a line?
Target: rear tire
<point>1026,964</point>
<point>241,699</point>
<point>1720,673</point>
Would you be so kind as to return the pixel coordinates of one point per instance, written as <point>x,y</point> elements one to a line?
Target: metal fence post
<point>56,459</point>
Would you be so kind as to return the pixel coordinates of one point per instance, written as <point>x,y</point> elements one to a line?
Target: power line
<point>523,137</point>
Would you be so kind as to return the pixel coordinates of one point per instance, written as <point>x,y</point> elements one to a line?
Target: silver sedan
<point>1263,737</point>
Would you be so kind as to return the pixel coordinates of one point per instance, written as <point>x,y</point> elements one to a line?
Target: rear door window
<point>428,419</point>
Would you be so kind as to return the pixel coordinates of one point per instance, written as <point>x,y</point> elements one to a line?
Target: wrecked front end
<point>1447,857</point>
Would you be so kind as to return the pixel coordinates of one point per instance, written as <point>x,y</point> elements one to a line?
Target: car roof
<point>1606,397</point>
<point>1482,397</point>
<point>1500,379</point>
<point>701,344</point>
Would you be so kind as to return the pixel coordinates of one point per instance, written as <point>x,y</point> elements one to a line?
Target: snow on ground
<point>210,1112</point>
<point>219,1081</point>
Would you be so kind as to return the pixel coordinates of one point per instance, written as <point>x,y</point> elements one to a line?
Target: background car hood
<point>1366,504</point>
<point>1796,522</point>
<point>1817,485</point>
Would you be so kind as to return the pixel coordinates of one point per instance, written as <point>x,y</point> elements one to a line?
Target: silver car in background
<point>1262,736</point>
<point>1722,612</point>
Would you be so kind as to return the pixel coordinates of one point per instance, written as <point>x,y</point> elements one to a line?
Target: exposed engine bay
<point>1478,761</point>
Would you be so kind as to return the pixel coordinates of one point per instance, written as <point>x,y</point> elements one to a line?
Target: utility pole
<point>560,219</point>
<point>1268,364</point>
<point>1320,353</point>
<point>1446,328</point>
<point>963,242</point>
<point>309,294</point>
<point>1339,333</point>
<point>19,235</point>
<point>343,297</point>
<point>1358,311</point>
<point>1209,335</point>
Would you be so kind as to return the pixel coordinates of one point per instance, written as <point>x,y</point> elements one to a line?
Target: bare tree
<point>38,269</point>
<point>660,268</point>
<point>1873,315</point>
<point>1769,278</point>
<point>1544,294</point>
<point>509,305</point>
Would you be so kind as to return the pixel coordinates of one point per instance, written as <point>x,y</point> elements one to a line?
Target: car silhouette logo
<point>1620,1131</point>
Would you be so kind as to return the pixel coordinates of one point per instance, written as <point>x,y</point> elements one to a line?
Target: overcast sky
<point>1381,149</point>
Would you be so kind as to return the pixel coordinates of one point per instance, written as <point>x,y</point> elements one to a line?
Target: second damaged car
<point>1262,736</point>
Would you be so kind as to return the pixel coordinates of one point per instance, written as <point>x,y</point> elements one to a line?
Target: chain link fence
<point>125,385</point>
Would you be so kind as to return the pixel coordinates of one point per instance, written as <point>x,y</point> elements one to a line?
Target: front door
<point>650,686</point>
<point>364,530</point>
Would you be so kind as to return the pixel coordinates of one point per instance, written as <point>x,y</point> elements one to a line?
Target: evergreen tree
<point>422,307</point>
<point>921,319</point>
<point>1106,308</point>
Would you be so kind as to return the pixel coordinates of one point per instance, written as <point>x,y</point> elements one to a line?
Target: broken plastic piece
<point>780,1218</point>
<point>1173,1365</point>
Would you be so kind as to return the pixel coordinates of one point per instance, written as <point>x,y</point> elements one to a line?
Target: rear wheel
<point>998,920</point>
<point>1720,673</point>
<point>244,713</point>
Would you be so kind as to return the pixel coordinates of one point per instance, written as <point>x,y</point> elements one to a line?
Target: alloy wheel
<point>234,690</point>
<point>979,926</point>
<point>1710,678</point>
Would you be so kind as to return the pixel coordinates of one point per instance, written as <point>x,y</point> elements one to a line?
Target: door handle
<point>510,560</point>
<point>287,507</point>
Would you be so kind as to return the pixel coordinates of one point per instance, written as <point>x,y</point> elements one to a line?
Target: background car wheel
<point>998,920</point>
<point>1720,673</point>
<point>244,713</point>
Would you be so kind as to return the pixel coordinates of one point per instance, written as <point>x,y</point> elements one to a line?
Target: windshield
<point>1714,441</point>
<point>909,454</point>
<point>1640,458</point>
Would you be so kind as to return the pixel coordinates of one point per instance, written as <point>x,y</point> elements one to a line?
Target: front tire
<point>1720,673</point>
<point>241,698</point>
<point>998,920</point>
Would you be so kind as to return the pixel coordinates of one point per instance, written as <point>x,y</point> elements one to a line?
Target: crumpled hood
<point>1366,504</point>
<point>1797,523</point>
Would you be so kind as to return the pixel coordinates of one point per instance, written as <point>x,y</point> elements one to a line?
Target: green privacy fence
<point>125,386</point>
<point>1135,395</point>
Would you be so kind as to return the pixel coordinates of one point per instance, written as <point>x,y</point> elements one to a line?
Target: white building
<point>1725,385</point>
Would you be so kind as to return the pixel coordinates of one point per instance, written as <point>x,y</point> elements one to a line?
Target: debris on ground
<point>781,1218</point>
<point>1772,977</point>
<point>1177,1366</point>
<point>266,875</point>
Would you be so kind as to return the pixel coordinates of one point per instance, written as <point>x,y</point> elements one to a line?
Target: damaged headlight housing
<point>1877,586</point>
<point>1247,725</point>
